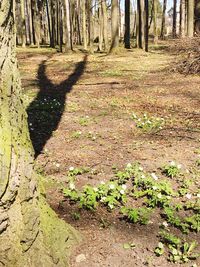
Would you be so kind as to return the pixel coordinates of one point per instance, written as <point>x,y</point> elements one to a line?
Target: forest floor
<point>80,115</point>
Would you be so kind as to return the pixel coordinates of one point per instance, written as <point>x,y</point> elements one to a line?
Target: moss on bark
<point>31,234</point>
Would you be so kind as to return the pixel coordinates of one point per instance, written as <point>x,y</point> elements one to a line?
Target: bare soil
<point>106,90</point>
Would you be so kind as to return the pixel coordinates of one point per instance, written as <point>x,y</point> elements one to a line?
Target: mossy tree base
<point>31,235</point>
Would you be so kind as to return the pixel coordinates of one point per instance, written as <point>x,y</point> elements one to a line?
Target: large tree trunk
<point>30,233</point>
<point>114,25</point>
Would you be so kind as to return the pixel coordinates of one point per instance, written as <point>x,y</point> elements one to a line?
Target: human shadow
<point>45,111</point>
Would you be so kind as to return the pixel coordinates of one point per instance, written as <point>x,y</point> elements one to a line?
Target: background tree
<point>146,24</point>
<point>190,18</point>
<point>162,32</point>
<point>140,24</point>
<point>174,19</point>
<point>182,18</point>
<point>127,24</point>
<point>105,24</point>
<point>155,17</point>
<point>114,25</point>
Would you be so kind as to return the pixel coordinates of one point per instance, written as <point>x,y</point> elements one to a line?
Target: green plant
<point>183,253</point>
<point>137,215</point>
<point>76,216</point>
<point>159,250</point>
<point>84,121</point>
<point>76,134</point>
<point>172,170</point>
<point>147,123</point>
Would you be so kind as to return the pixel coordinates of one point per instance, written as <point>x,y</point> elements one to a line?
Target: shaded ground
<point>81,116</point>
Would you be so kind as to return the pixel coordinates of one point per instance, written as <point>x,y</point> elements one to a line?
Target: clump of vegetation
<point>155,194</point>
<point>179,251</point>
<point>147,123</point>
<point>172,170</point>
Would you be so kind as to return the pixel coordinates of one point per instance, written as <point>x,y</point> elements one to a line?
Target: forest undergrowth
<point>117,141</point>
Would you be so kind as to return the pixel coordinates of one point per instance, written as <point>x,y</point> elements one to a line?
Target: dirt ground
<point>88,124</point>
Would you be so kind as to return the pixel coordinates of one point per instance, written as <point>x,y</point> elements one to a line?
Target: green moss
<point>59,237</point>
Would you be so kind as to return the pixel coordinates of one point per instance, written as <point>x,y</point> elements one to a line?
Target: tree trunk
<point>182,18</point>
<point>91,26</point>
<point>155,15</point>
<point>30,233</point>
<point>84,25</point>
<point>114,26</point>
<point>66,30</point>
<point>174,19</point>
<point>127,25</point>
<point>23,26</point>
<point>190,18</point>
<point>140,24</point>
<point>146,24</point>
<point>100,18</point>
<point>162,33</point>
<point>105,24</point>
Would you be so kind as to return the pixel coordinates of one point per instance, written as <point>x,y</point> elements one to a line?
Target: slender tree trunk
<point>146,24</point>
<point>174,19</point>
<point>70,24</point>
<point>162,33</point>
<point>155,17</point>
<point>114,26</point>
<point>28,12</point>
<point>127,25</point>
<point>53,24</point>
<point>91,26</point>
<point>140,25</point>
<point>30,233</point>
<point>190,18</point>
<point>100,18</point>
<point>66,31</point>
<point>23,26</point>
<point>182,18</point>
<point>84,25</point>
<point>49,21</point>
<point>78,13</point>
<point>105,24</point>
<point>32,21</point>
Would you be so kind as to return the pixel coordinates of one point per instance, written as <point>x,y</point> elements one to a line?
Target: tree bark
<point>127,25</point>
<point>114,26</point>
<point>66,30</point>
<point>182,18</point>
<point>23,26</point>
<point>190,18</point>
<point>155,15</point>
<point>174,19</point>
<point>100,19</point>
<point>146,24</point>
<point>105,24</point>
<point>30,233</point>
<point>162,33</point>
<point>140,24</point>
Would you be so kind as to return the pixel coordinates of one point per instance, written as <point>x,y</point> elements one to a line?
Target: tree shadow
<point>45,111</point>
